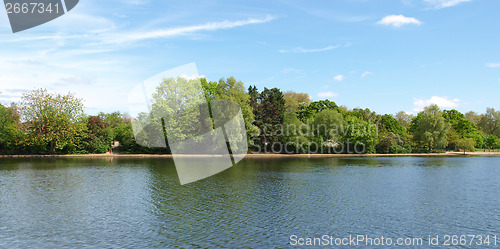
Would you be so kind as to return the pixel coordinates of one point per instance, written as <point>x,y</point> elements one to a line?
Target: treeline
<point>275,121</point>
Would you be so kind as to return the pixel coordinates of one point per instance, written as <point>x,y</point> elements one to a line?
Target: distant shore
<point>108,155</point>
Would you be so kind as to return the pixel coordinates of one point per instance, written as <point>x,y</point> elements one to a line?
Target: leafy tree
<point>295,135</point>
<point>466,144</point>
<point>178,111</point>
<point>393,144</point>
<point>453,138</point>
<point>491,141</point>
<point>366,115</point>
<point>97,136</point>
<point>464,127</point>
<point>293,100</point>
<point>359,135</point>
<point>97,126</point>
<point>327,124</point>
<point>233,90</point>
<point>112,119</point>
<point>404,119</point>
<point>307,111</point>
<point>53,120</point>
<point>10,130</point>
<point>272,111</point>
<point>327,128</point>
<point>430,128</point>
<point>390,124</point>
<point>125,135</point>
<point>473,117</point>
<point>210,89</point>
<point>489,122</point>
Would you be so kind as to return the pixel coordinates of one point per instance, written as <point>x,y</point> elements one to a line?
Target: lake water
<point>139,203</point>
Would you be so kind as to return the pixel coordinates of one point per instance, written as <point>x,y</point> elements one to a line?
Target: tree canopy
<point>275,122</point>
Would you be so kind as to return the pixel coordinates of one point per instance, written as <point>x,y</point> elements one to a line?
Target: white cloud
<point>443,102</point>
<point>187,30</point>
<point>493,65</point>
<point>328,94</point>
<point>398,21</point>
<point>106,38</point>
<point>439,4</point>
<point>366,74</point>
<point>339,77</point>
<point>303,50</point>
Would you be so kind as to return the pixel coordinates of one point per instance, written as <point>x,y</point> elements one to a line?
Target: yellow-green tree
<point>52,120</point>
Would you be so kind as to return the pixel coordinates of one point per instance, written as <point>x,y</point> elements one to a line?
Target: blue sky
<point>389,56</point>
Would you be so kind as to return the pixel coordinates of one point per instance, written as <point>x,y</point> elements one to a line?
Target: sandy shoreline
<point>107,155</point>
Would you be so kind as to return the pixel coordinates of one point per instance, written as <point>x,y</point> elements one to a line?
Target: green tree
<point>327,127</point>
<point>294,100</point>
<point>404,119</point>
<point>467,144</point>
<point>390,124</point>
<point>464,127</point>
<point>327,124</point>
<point>296,135</point>
<point>359,135</point>
<point>254,101</point>
<point>272,111</point>
<point>10,130</point>
<point>489,122</point>
<point>366,115</point>
<point>96,138</point>
<point>234,90</point>
<point>491,141</point>
<point>430,128</point>
<point>210,89</point>
<point>473,117</point>
<point>53,120</point>
<point>112,119</point>
<point>306,112</point>
<point>393,144</point>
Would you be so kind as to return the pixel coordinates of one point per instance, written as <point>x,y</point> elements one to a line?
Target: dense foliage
<point>275,121</point>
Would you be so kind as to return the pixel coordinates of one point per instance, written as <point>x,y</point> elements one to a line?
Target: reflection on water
<point>66,203</point>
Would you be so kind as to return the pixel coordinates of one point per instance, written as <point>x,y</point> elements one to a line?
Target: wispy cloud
<point>443,102</point>
<point>118,37</point>
<point>75,80</point>
<point>398,21</point>
<point>328,94</point>
<point>291,70</point>
<point>493,65</point>
<point>303,50</point>
<point>439,4</point>
<point>8,96</point>
<point>366,74</point>
<point>339,77</point>
<point>187,30</point>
